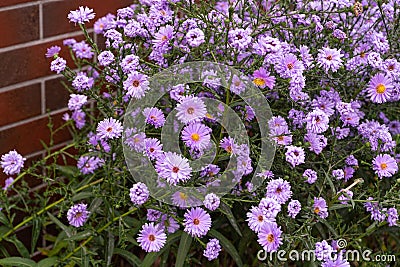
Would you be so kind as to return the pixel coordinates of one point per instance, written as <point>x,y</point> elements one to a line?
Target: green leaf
<point>36,227</point>
<point>68,171</point>
<point>151,257</point>
<point>81,235</point>
<point>4,220</point>
<point>130,257</point>
<point>227,211</point>
<point>184,246</point>
<point>229,247</point>
<point>110,248</point>
<point>82,195</point>
<point>23,251</point>
<point>60,224</point>
<point>17,261</point>
<point>48,262</point>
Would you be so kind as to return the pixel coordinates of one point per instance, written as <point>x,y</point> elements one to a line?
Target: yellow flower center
<point>316,210</point>
<point>195,137</point>
<point>270,238</point>
<point>259,82</point>
<point>383,166</point>
<point>380,88</point>
<point>183,196</point>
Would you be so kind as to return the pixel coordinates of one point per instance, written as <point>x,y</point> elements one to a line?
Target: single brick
<point>20,103</point>
<point>19,25</point>
<point>57,95</point>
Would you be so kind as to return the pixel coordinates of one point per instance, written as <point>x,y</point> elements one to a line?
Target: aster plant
<point>328,73</point>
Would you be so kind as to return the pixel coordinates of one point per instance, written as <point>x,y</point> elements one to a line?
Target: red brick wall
<point>29,91</point>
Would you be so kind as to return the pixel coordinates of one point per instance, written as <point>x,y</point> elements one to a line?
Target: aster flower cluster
<point>328,70</point>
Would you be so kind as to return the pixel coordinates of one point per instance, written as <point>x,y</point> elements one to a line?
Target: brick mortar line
<point>22,5</point>
<point>44,40</point>
<point>43,97</point>
<point>41,30</point>
<point>35,81</point>
<point>43,151</point>
<point>22,122</point>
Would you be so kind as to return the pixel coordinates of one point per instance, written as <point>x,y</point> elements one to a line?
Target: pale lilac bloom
<point>211,201</point>
<point>77,215</point>
<point>195,37</point>
<point>76,101</point>
<point>295,155</point>
<point>270,207</point>
<point>12,162</point>
<point>153,148</point>
<point>53,51</point>
<point>174,168</point>
<point>212,249</point>
<point>139,193</point>
<point>196,136</point>
<point>392,217</point>
<point>154,116</point>
<point>311,176</point>
<point>197,222</point>
<point>269,236</point>
<point>329,59</point>
<point>320,207</point>
<point>294,208</point>
<point>58,65</point>
<point>151,237</point>
<point>384,165</point>
<point>81,15</point>
<point>191,109</point>
<point>345,196</point>
<point>317,121</point>
<point>380,88</point>
<point>109,128</point>
<point>136,85</point>
<point>279,189</point>
<point>8,182</point>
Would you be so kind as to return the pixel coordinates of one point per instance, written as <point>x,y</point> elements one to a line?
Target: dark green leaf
<point>17,261</point>
<point>227,211</point>
<point>184,246</point>
<point>81,235</point>
<point>229,247</point>
<point>60,224</point>
<point>48,262</point>
<point>36,227</point>
<point>82,195</point>
<point>130,257</point>
<point>23,251</point>
<point>4,220</point>
<point>68,171</point>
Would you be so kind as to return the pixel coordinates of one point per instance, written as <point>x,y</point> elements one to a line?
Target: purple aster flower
<point>237,86</point>
<point>81,15</point>
<point>135,140</point>
<point>311,176</point>
<point>269,236</point>
<point>348,173</point>
<point>76,101</point>
<point>171,225</point>
<point>196,136</point>
<point>279,189</point>
<point>153,215</point>
<point>384,165</point>
<point>79,117</point>
<point>69,42</point>
<point>195,37</point>
<point>139,193</point>
<point>82,82</point>
<point>338,174</point>
<point>256,219</point>
<point>8,182</point>
<point>109,129</point>
<point>197,222</point>
<point>392,216</point>
<point>163,36</point>
<point>317,142</point>
<point>295,155</point>
<point>173,167</point>
<point>105,58</point>
<point>12,162</point>
<point>153,148</point>
<point>294,208</point>
<point>338,262</point>
<point>262,78</point>
<point>329,59</point>
<point>130,63</point>
<point>239,38</point>
<point>98,143</point>
<point>104,23</point>
<point>320,207</point>
<point>58,65</point>
<point>151,237</point>
<point>78,214</point>
<point>210,170</point>
<point>154,116</point>
<point>181,199</point>
<point>289,66</point>
<point>380,88</point>
<point>136,85</point>
<point>351,161</point>
<point>53,51</point>
<point>323,250</point>
<point>211,201</point>
<point>345,196</point>
<point>191,109</point>
<point>212,249</point>
<point>227,143</point>
<point>82,50</point>
<point>270,207</point>
<point>88,164</point>
<point>317,121</point>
